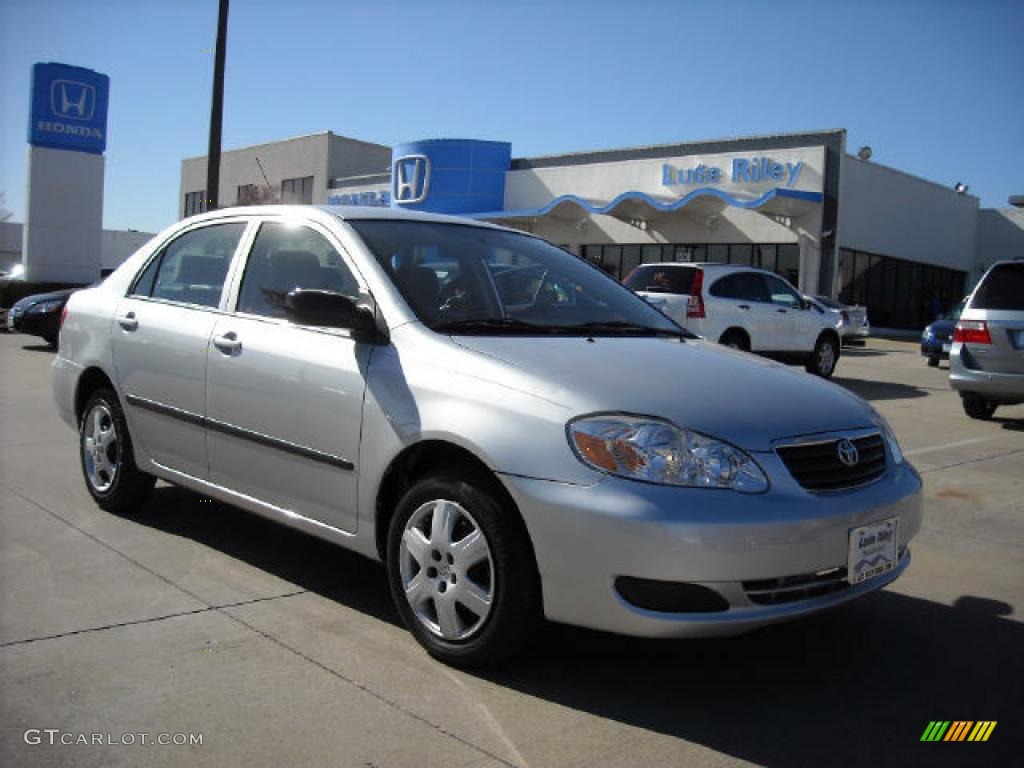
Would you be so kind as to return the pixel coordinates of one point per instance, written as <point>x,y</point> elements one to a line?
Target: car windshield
<point>463,279</point>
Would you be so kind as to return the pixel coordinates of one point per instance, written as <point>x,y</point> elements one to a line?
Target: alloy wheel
<point>447,570</point>
<point>100,448</point>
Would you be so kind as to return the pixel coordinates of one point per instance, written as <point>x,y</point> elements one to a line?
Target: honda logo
<point>847,452</point>
<point>411,179</point>
<point>72,100</point>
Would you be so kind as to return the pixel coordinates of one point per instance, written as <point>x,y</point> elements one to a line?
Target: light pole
<point>217,109</point>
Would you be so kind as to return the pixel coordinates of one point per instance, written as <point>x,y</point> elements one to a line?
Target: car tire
<point>823,359</point>
<point>736,340</point>
<point>933,361</point>
<point>462,571</point>
<point>107,457</point>
<point>978,407</point>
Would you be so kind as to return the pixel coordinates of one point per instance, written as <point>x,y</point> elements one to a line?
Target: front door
<point>160,335</point>
<point>286,400</point>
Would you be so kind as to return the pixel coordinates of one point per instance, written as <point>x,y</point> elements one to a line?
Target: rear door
<point>740,300</point>
<point>999,301</point>
<point>160,335</point>
<point>286,400</point>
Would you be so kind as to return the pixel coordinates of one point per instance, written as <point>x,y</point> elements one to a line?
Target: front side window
<point>742,286</point>
<point>191,268</point>
<point>781,293</point>
<point>285,257</point>
<point>466,279</point>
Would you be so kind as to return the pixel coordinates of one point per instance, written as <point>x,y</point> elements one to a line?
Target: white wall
<point>885,211</point>
<point>1000,236</point>
<point>117,245</point>
<point>10,244</point>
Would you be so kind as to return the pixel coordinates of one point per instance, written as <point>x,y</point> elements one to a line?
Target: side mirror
<point>329,309</point>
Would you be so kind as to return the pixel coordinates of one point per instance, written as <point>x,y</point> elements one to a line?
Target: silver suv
<point>986,362</point>
<point>512,432</point>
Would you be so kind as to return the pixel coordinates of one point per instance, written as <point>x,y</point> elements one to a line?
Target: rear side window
<point>654,278</point>
<point>1002,288</point>
<point>192,267</point>
<point>745,286</point>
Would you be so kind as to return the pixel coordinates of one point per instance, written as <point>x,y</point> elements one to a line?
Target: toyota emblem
<point>847,452</point>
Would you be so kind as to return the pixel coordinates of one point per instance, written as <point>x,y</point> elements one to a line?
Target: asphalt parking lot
<point>195,618</point>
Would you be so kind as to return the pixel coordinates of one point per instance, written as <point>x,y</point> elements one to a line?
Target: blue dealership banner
<point>69,108</point>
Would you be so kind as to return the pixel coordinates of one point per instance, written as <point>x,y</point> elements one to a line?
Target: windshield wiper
<point>622,326</point>
<point>494,324</point>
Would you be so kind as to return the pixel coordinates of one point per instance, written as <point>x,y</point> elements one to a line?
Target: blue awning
<point>784,202</point>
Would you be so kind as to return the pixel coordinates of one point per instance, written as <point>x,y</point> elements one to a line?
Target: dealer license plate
<point>873,550</point>
<point>946,347</point>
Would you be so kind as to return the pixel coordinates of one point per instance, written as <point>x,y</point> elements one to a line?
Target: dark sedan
<point>937,338</point>
<point>39,315</point>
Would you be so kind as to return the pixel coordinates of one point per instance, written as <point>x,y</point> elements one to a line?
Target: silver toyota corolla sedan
<point>513,432</point>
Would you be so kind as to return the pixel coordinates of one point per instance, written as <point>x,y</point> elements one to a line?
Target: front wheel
<point>978,407</point>
<point>462,571</point>
<point>822,361</point>
<point>933,361</point>
<point>108,461</point>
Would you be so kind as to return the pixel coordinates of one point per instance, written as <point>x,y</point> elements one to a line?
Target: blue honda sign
<point>69,108</point>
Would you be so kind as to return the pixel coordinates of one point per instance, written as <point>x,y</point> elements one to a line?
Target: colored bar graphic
<point>935,730</point>
<point>958,730</point>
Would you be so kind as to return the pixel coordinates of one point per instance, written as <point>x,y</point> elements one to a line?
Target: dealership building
<point>797,204</point>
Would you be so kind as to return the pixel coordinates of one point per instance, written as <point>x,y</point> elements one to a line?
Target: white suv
<point>742,307</point>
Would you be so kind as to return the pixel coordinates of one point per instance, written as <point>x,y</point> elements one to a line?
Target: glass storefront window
<point>718,253</point>
<point>766,257</point>
<point>741,254</point>
<point>788,264</point>
<point>650,253</point>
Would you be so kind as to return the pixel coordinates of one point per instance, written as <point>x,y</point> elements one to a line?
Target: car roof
<point>345,213</point>
<point>707,265</point>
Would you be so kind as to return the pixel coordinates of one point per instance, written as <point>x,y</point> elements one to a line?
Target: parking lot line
<point>958,444</point>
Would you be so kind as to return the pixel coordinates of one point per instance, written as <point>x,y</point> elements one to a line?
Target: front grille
<point>790,589</point>
<point>817,466</point>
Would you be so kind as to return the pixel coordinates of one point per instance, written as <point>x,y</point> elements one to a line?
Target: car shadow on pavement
<point>879,390</point>
<point>296,557</point>
<point>39,348</point>
<point>856,685</point>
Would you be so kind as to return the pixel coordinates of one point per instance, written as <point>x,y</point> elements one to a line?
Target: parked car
<point>855,327</point>
<point>563,450</point>
<point>745,308</point>
<point>39,315</point>
<point>937,338</point>
<point>986,362</point>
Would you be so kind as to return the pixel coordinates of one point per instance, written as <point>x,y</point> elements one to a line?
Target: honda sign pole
<point>216,110</point>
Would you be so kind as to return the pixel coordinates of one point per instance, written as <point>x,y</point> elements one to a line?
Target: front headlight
<point>890,439</point>
<point>656,451</point>
<point>43,307</point>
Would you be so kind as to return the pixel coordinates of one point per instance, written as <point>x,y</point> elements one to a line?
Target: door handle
<point>128,321</point>
<point>228,343</point>
<point>744,306</point>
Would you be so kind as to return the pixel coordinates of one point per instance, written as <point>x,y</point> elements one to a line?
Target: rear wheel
<point>822,361</point>
<point>462,572</point>
<point>978,407</point>
<point>108,461</point>
<point>735,339</point>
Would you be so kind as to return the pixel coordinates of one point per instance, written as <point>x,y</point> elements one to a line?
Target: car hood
<point>738,397</point>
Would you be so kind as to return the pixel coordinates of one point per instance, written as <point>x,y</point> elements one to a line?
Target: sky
<point>936,87</point>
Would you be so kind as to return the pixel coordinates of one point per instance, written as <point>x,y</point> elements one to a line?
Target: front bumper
<point>586,536</point>
<point>932,347</point>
